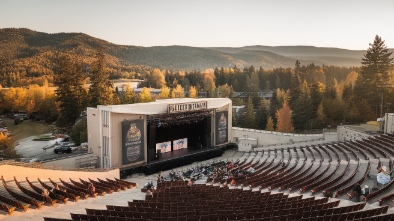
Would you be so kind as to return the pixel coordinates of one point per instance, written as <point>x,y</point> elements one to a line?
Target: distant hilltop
<point>24,44</point>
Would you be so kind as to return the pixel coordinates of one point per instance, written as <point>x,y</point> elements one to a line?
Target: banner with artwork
<point>179,144</point>
<point>221,127</point>
<point>163,147</point>
<point>132,141</point>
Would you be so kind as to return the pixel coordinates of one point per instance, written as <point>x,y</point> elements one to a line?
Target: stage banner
<point>179,144</point>
<point>164,147</point>
<point>221,127</point>
<point>132,141</point>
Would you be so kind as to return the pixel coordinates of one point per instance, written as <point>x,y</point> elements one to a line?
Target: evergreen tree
<point>297,67</point>
<point>295,90</point>
<point>101,90</point>
<point>376,62</point>
<point>317,92</point>
<point>249,119</point>
<point>374,71</point>
<point>262,116</point>
<point>302,111</point>
<point>70,93</point>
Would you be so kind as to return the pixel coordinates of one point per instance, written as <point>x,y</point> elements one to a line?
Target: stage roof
<point>161,106</point>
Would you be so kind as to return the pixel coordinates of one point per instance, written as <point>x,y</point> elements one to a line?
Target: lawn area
<point>28,128</point>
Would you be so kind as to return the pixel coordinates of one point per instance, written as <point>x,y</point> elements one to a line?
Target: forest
<point>314,96</point>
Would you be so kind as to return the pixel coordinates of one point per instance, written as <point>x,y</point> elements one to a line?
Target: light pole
<point>387,107</point>
<point>383,85</point>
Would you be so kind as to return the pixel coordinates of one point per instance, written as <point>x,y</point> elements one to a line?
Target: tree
<point>376,62</point>
<point>297,67</point>
<point>178,92</point>
<point>249,119</point>
<point>374,71</point>
<point>128,96</point>
<point>262,116</point>
<point>70,93</point>
<point>7,147</point>
<point>156,79</point>
<point>209,83</point>
<point>145,95</point>
<point>270,124</point>
<point>101,90</point>
<point>15,99</point>
<point>225,91</point>
<point>193,92</point>
<point>165,93</point>
<point>295,89</point>
<point>79,132</point>
<point>284,119</point>
<point>302,110</point>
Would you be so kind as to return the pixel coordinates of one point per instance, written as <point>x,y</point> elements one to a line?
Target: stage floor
<point>181,153</point>
<point>176,159</point>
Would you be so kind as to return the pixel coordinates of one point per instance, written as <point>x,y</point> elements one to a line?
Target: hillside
<point>35,52</point>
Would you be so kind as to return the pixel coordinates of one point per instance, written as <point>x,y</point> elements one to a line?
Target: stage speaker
<point>208,126</point>
<point>152,136</point>
<point>151,154</point>
<point>152,142</point>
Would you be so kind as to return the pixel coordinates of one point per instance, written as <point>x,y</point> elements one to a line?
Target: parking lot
<point>40,150</point>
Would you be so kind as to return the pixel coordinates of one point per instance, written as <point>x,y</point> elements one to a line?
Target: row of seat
<point>15,203</point>
<point>21,197</point>
<point>60,192</point>
<point>35,195</point>
<point>52,195</point>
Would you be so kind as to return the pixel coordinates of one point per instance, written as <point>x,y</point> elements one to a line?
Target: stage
<point>179,158</point>
<point>176,159</point>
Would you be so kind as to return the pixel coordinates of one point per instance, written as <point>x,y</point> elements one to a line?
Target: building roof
<point>161,106</point>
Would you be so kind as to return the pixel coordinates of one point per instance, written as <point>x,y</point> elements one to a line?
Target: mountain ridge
<point>19,44</point>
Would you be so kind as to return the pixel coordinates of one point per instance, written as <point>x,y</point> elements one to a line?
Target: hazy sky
<point>350,24</point>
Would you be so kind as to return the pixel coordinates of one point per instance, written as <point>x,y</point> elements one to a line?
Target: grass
<point>28,128</point>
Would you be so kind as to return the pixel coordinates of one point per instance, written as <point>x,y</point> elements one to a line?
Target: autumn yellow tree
<point>178,92</point>
<point>284,119</point>
<point>35,98</point>
<point>193,92</point>
<point>165,93</point>
<point>7,147</point>
<point>15,99</point>
<point>145,95</point>
<point>209,82</point>
<point>270,124</point>
<point>128,96</point>
<point>156,79</point>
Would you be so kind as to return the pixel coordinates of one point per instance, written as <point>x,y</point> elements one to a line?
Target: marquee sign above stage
<point>184,107</point>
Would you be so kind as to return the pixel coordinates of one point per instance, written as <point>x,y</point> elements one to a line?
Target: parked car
<point>62,149</point>
<point>21,116</point>
<point>65,147</point>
